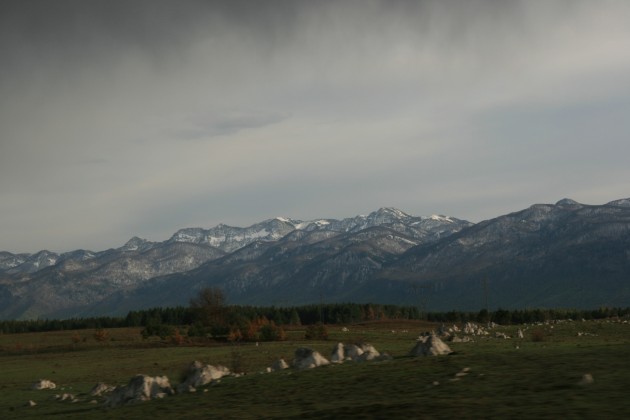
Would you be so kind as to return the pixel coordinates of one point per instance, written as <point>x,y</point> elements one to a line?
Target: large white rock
<point>474,329</point>
<point>44,384</point>
<point>430,345</point>
<point>306,358</point>
<point>140,388</point>
<point>279,364</point>
<point>369,353</point>
<point>352,351</point>
<point>338,353</point>
<point>200,374</point>
<point>100,388</point>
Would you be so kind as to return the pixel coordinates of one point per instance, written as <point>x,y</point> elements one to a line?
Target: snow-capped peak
<point>393,211</point>
<point>441,218</point>
<point>567,202</point>
<point>284,219</point>
<point>624,202</point>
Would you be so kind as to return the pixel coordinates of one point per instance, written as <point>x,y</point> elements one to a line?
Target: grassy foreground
<point>507,378</point>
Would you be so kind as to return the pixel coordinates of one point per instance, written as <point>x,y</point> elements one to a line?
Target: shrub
<point>235,335</point>
<point>316,332</point>
<point>271,332</point>
<point>100,335</point>
<point>159,330</point>
<point>236,362</point>
<point>261,329</point>
<point>198,330</point>
<point>177,338</point>
<point>538,336</point>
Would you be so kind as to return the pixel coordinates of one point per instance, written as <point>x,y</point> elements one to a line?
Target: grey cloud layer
<point>125,118</point>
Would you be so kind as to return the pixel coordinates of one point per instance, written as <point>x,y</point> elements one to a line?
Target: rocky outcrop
<point>200,374</point>
<point>44,384</point>
<point>279,364</point>
<point>369,353</point>
<point>430,345</point>
<point>100,388</point>
<point>306,358</point>
<point>140,388</point>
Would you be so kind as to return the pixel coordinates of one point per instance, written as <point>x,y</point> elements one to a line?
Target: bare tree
<point>209,306</point>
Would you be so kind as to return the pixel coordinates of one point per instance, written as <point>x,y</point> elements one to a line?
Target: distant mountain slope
<point>268,253</point>
<point>561,255</point>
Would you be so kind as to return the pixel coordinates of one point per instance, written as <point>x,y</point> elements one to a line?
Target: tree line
<point>217,318</point>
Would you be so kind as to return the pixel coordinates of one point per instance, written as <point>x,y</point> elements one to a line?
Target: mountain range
<point>553,255</point>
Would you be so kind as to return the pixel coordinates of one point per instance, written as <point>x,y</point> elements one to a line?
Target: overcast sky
<point>123,118</point>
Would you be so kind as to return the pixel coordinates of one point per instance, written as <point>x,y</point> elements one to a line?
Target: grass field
<point>508,378</point>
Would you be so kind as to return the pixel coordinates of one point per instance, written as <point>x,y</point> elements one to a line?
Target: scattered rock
<point>519,334</point>
<point>140,388</point>
<point>66,397</point>
<point>369,353</point>
<point>200,374</point>
<point>279,364</point>
<point>352,352</point>
<point>462,372</point>
<point>183,388</point>
<point>31,403</point>
<point>464,339</point>
<point>473,329</point>
<point>445,333</point>
<point>44,384</point>
<point>338,354</point>
<point>430,346</point>
<point>100,388</point>
<point>587,379</point>
<point>306,358</point>
<point>383,357</point>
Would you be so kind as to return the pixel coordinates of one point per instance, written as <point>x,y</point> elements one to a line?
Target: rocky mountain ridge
<point>565,254</point>
<point>49,283</point>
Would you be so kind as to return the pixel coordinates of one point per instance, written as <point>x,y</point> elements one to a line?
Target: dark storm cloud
<point>222,123</point>
<point>313,108</point>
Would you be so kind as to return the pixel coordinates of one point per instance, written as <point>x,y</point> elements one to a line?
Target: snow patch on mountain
<point>624,202</point>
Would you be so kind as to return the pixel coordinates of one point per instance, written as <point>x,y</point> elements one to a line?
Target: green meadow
<point>534,377</point>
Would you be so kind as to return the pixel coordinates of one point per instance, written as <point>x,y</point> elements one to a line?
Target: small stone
<point>587,379</point>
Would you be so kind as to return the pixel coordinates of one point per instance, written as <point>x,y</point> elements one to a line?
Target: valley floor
<point>539,376</point>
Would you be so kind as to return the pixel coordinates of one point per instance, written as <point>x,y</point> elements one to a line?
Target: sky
<point>138,118</point>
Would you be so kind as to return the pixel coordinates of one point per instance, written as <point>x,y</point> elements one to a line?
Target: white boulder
<point>140,388</point>
<point>369,353</point>
<point>306,358</point>
<point>100,388</point>
<point>352,352</point>
<point>338,353</point>
<point>200,374</point>
<point>279,364</point>
<point>44,384</point>
<point>430,346</point>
